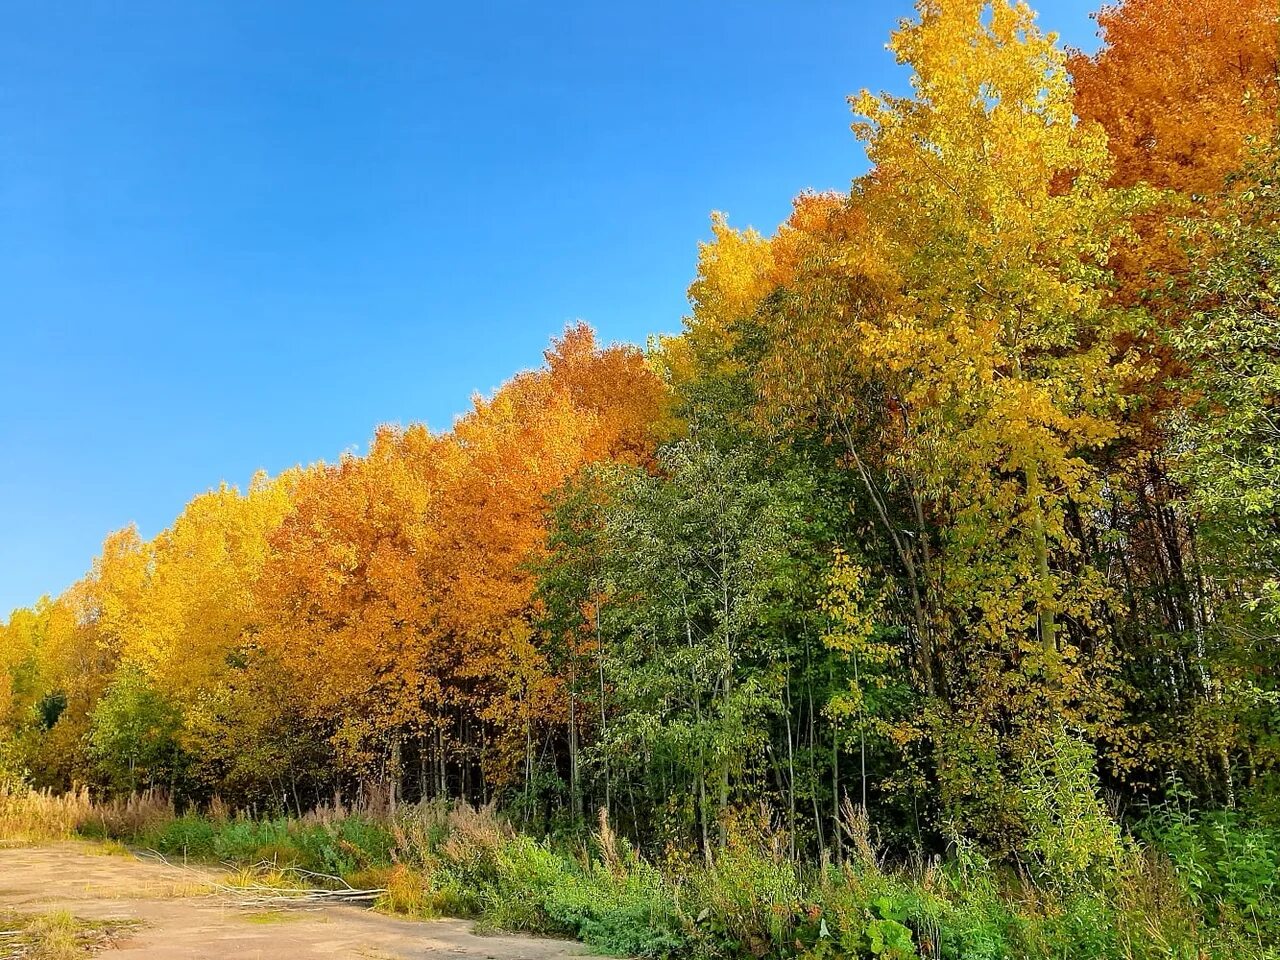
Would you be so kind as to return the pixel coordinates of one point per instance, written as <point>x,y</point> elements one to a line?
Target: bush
<point>631,915</point>
<point>1203,889</point>
<point>1228,865</point>
<point>189,835</point>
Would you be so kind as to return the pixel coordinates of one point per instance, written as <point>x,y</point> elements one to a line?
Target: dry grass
<point>55,936</point>
<point>32,816</point>
<point>109,848</point>
<point>39,816</point>
<point>407,891</point>
<point>269,917</point>
<point>475,833</point>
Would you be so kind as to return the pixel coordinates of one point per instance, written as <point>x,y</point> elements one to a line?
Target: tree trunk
<point>575,800</point>
<point>791,767</point>
<point>837,841</point>
<point>603,725</point>
<point>393,773</point>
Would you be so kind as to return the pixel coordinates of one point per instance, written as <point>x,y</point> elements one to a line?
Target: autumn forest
<point>946,533</point>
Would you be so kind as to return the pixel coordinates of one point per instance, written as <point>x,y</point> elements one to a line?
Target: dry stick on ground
<point>265,895</point>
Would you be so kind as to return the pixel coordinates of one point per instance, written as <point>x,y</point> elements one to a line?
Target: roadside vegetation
<point>1197,888</point>
<point>921,598</point>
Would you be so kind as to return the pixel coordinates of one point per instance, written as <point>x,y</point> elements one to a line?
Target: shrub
<point>631,915</point>
<point>1212,893</point>
<point>189,835</point>
<point>1228,864</point>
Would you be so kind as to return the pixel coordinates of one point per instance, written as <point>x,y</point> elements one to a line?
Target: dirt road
<point>178,920</point>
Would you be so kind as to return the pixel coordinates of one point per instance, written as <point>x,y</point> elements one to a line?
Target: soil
<point>166,912</point>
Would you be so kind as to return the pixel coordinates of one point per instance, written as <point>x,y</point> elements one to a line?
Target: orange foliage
<point>407,573</point>
<point>1179,85</point>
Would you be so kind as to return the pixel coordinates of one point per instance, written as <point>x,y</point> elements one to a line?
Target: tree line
<point>956,500</point>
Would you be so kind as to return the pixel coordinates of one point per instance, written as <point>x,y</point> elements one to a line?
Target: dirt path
<point>180,922</point>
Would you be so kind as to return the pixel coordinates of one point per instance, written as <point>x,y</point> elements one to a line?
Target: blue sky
<point>238,235</point>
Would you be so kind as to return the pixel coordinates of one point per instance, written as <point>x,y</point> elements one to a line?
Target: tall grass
<point>35,816</point>
<point>750,902</point>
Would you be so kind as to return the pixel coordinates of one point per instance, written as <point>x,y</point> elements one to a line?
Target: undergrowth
<point>1194,889</point>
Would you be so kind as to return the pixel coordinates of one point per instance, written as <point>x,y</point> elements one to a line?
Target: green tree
<point>133,735</point>
<point>1229,461</point>
<point>697,562</point>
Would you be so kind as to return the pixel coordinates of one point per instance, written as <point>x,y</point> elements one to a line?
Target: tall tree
<point>1181,87</point>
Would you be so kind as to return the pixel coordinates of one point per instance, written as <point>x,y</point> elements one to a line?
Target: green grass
<point>271,917</point>
<point>1204,888</point>
<point>337,847</point>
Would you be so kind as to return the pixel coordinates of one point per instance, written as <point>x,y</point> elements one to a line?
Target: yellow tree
<point>28,706</point>
<point>950,324</point>
<point>199,598</point>
<point>77,653</point>
<point>991,209</point>
<point>194,641</point>
<point>19,641</point>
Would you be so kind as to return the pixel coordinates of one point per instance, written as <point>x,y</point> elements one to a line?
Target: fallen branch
<point>262,895</point>
<point>268,895</point>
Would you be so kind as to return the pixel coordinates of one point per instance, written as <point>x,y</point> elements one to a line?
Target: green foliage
<point>190,836</point>
<point>1072,840</point>
<point>702,584</point>
<point>337,847</point>
<point>630,913</point>
<point>1228,864</point>
<point>134,734</point>
<point>1230,437</point>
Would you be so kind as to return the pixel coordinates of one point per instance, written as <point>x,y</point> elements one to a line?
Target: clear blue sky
<point>238,235</point>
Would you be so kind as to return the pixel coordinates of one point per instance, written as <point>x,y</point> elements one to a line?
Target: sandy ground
<point>179,920</point>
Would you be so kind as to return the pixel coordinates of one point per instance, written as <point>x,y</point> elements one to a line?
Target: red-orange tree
<point>1180,86</point>
<point>407,573</point>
